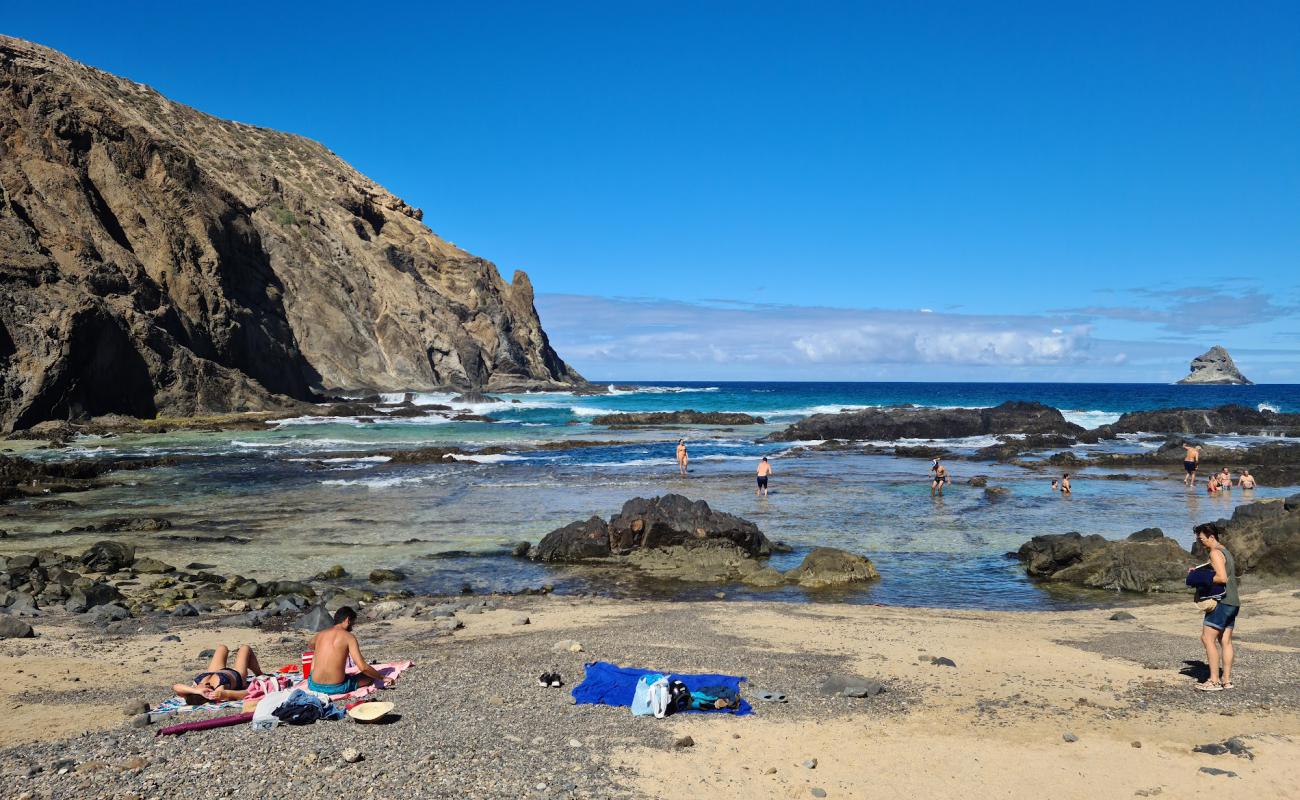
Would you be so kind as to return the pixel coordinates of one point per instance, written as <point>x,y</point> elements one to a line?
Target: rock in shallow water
<point>830,566</point>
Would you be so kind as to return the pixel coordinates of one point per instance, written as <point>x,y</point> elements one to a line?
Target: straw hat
<point>369,712</point>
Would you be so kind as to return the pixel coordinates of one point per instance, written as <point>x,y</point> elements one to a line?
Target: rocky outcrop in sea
<point>672,537</point>
<point>1215,367</point>
<point>916,422</point>
<point>158,260</point>
<point>688,417</point>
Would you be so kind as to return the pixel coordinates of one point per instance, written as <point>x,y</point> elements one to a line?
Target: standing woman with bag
<point>1216,631</point>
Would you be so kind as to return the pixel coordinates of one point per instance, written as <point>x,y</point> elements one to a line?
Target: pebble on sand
<point>810,764</point>
<point>817,791</point>
<point>684,741</point>
<point>1069,737</point>
<point>1120,616</point>
<point>351,755</point>
<point>521,619</point>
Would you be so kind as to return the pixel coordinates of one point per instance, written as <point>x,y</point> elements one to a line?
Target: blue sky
<point>929,191</point>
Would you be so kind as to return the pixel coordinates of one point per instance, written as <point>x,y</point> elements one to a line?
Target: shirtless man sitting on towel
<point>333,646</point>
<point>221,683</point>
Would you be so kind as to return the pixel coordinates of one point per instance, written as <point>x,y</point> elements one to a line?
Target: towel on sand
<point>610,685</point>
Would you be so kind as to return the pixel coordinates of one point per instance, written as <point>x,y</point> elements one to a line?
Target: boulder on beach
<point>917,422</point>
<point>108,556</point>
<point>316,619</point>
<point>687,417</point>
<point>828,566</point>
<point>1147,561</point>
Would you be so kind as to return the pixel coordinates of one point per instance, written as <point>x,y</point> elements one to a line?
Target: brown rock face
<point>156,259</point>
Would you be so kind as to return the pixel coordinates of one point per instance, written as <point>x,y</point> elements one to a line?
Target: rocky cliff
<point>1215,366</point>
<point>157,259</point>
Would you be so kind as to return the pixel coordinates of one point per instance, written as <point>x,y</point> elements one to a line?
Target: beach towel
<point>176,705</point>
<point>611,685</point>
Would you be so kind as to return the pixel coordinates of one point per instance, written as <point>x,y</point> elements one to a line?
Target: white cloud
<point>605,336</point>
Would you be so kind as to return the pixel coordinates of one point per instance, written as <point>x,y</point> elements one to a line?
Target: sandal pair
<point>1213,687</point>
<point>550,680</point>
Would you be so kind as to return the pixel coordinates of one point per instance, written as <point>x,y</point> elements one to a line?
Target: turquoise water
<point>310,493</point>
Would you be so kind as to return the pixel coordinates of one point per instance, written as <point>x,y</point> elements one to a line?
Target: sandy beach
<point>1074,701</point>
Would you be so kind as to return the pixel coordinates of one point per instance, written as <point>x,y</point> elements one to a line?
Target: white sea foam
<point>376,483</point>
<point>1267,407</point>
<point>492,458</point>
<point>1091,419</point>
<point>357,460</point>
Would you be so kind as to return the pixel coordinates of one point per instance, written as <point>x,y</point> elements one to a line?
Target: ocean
<point>312,492</point>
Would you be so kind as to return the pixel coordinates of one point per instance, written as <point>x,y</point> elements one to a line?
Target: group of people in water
<point>1220,481</point>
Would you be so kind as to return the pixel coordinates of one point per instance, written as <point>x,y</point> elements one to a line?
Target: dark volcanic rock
<point>914,422</point>
<point>673,519</point>
<point>577,541</point>
<point>157,259</point>
<point>108,556</point>
<point>11,628</point>
<point>688,417</point>
<point>1146,561</point>
<point>119,524</point>
<point>1222,419</point>
<point>1263,537</point>
<point>646,524</point>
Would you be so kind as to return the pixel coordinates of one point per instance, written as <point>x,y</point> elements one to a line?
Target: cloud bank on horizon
<point>612,338</point>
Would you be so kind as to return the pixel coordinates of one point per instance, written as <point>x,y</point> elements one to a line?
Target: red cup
<point>306,663</point>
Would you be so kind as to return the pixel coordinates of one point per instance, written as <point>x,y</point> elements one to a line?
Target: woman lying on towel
<point>221,683</point>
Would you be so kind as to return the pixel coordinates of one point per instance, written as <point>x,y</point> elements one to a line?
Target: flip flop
<point>555,680</point>
<point>1208,687</point>
<point>544,680</point>
<point>1227,686</point>
<point>771,697</point>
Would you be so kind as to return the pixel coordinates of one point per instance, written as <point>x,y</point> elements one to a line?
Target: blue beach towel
<point>610,685</point>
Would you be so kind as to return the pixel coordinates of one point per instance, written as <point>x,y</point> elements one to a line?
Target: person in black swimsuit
<point>220,682</point>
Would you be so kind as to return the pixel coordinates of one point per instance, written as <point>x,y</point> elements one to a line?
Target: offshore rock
<point>687,417</point>
<point>1222,419</point>
<point>915,422</point>
<point>154,259</point>
<point>1215,367</point>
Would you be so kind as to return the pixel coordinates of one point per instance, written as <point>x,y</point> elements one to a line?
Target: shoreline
<point>474,723</point>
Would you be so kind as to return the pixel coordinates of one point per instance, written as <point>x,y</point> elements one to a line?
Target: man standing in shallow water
<point>1190,460</point>
<point>939,479</point>
<point>764,472</point>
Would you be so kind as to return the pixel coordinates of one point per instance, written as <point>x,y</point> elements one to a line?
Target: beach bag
<point>1208,604</point>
